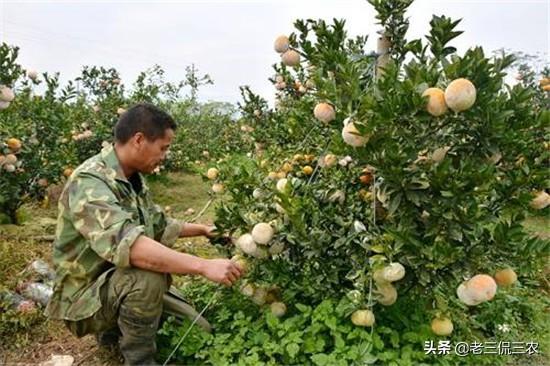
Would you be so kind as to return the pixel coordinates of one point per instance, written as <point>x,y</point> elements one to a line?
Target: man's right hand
<point>222,271</point>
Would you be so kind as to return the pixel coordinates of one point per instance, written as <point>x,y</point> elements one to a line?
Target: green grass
<point>182,192</point>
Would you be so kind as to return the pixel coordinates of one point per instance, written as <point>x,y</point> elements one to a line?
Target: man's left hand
<point>210,231</point>
<point>216,237</point>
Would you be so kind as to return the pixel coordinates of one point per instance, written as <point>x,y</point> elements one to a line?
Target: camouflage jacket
<point>100,217</point>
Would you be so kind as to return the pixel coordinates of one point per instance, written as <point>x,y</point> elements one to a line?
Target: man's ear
<point>139,139</point>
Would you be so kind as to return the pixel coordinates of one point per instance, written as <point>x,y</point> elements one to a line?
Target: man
<point>111,252</point>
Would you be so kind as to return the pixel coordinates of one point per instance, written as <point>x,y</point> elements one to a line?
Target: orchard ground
<point>33,338</point>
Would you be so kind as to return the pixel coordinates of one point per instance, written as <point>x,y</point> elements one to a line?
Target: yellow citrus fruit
<point>212,173</point>
<point>481,287</point>
<point>351,135</point>
<point>10,159</point>
<point>363,318</point>
<point>324,112</point>
<point>506,277</point>
<point>218,188</point>
<point>287,168</point>
<point>442,326</point>
<point>436,101</point>
<point>291,58</point>
<point>307,170</point>
<point>460,95</point>
<point>14,144</point>
<point>278,309</point>
<point>67,172</point>
<point>281,44</point>
<point>541,200</point>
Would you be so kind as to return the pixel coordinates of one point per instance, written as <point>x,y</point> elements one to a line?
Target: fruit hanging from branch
<point>460,95</point>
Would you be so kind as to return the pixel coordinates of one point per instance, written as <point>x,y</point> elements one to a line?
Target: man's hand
<point>216,237</point>
<point>222,271</point>
<point>210,232</point>
<point>189,229</point>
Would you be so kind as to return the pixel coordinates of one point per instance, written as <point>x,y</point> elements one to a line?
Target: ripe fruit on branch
<point>436,101</point>
<point>330,160</point>
<point>393,272</point>
<point>218,188</point>
<point>291,58</point>
<point>246,243</point>
<point>460,95</point>
<point>212,173</point>
<point>482,287</point>
<point>278,309</point>
<point>32,74</point>
<point>10,168</point>
<point>14,144</point>
<point>307,170</point>
<point>281,184</point>
<point>478,289</point>
<point>366,179</point>
<point>442,326</point>
<point>281,44</point>
<point>247,289</point>
<point>6,94</point>
<point>324,112</point>
<point>387,294</point>
<point>541,200</point>
<point>259,296</point>
<point>363,318</point>
<point>67,172</point>
<point>287,167</point>
<point>351,135</point>
<point>506,277</point>
<point>262,233</point>
<point>10,159</point>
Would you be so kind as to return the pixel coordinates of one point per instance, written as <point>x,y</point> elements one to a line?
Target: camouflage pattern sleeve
<point>97,214</point>
<point>167,230</point>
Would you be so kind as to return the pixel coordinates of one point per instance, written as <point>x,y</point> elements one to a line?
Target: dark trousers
<point>131,301</point>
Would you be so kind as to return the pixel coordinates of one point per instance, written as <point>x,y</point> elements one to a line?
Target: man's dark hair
<point>145,118</point>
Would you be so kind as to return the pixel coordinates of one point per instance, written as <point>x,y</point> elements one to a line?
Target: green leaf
<point>303,308</point>
<point>321,359</point>
<point>292,349</point>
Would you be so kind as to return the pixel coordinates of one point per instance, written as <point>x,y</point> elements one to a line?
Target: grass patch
<point>182,192</point>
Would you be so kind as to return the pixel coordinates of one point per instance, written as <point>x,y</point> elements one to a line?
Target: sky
<point>232,40</point>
